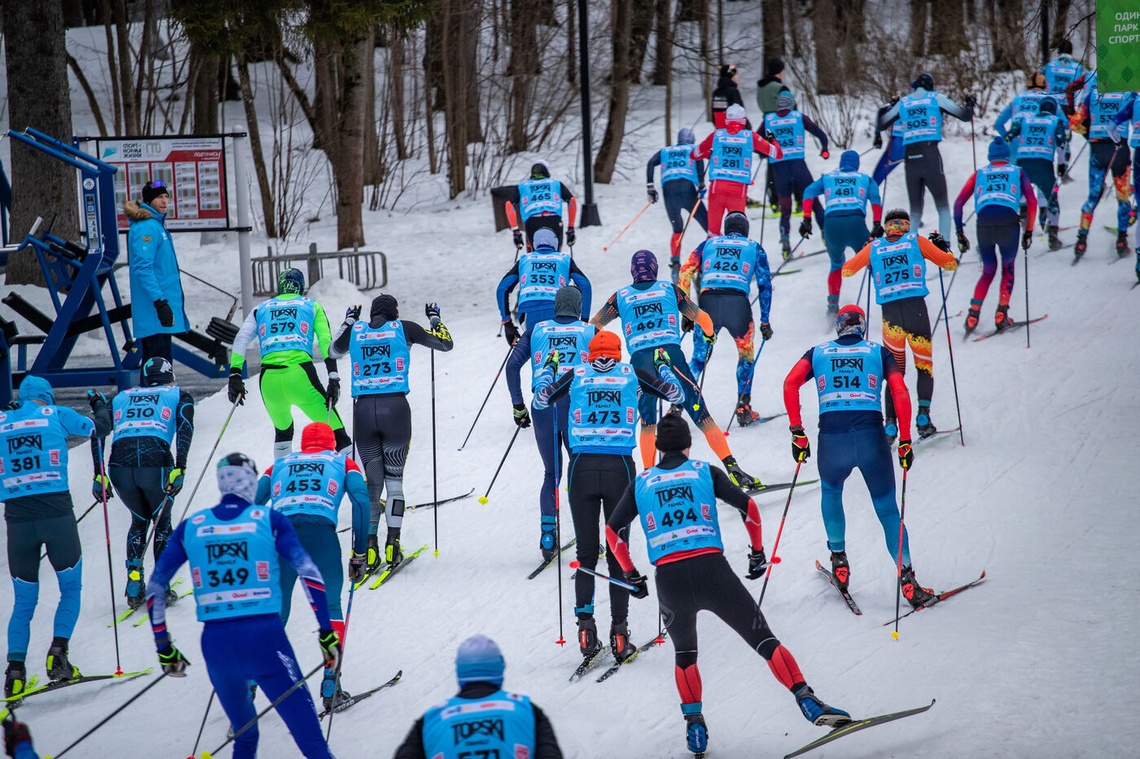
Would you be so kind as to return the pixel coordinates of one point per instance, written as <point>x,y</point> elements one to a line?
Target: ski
<point>387,573</point>
<point>780,273</point>
<point>589,663</point>
<point>1016,326</point>
<point>441,501</point>
<point>777,486</point>
<point>545,564</point>
<point>657,640</point>
<point>146,617</point>
<point>935,436</point>
<point>30,685</point>
<point>856,726</point>
<point>58,684</point>
<point>355,699</point>
<point>942,597</point>
<point>835,584</point>
<point>130,612</point>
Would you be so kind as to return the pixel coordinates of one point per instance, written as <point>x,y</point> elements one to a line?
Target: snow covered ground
<point>1038,661</point>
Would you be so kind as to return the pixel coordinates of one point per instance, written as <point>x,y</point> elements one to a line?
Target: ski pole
<point>77,521</point>
<point>627,226</point>
<point>950,346</point>
<point>489,390</point>
<point>208,460</point>
<point>110,716</point>
<point>787,260</point>
<point>434,469</point>
<point>263,712</point>
<point>948,288</point>
<point>202,727</point>
<point>973,142</point>
<point>764,214</point>
<point>902,519</point>
<point>558,519</point>
<point>577,566</point>
<point>692,212</point>
<point>483,498</point>
<point>775,558</point>
<point>343,646</point>
<point>110,566</point>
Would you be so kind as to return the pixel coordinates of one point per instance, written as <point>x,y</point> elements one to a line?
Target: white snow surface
<point>1038,661</point>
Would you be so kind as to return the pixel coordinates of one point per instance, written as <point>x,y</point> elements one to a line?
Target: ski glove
<point>101,488</point>
<point>686,324</point>
<point>771,137</point>
<point>877,230</point>
<point>963,241</point>
<point>877,143</point>
<point>906,454</point>
<point>511,332</point>
<point>824,154</point>
<point>330,648</point>
<point>165,314</point>
<point>801,446</point>
<point>971,101</point>
<point>237,388</point>
<point>522,416</point>
<point>661,358</point>
<point>16,733</point>
<point>172,661</point>
<point>356,564</point>
<point>805,227</point>
<point>651,191</point>
<point>334,388</point>
<point>940,242</point>
<point>174,481</point>
<point>96,400</point>
<point>517,236</point>
<point>702,190</point>
<point>638,580</point>
<point>431,310</point>
<point>1062,170</point>
<point>1026,239</point>
<point>766,330</point>
<point>571,235</point>
<point>757,564</point>
<point>352,314</point>
<point>552,361</point>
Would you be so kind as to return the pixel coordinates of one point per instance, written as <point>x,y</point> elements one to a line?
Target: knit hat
<point>568,302</point>
<point>999,150</point>
<point>735,113</point>
<point>385,307</point>
<point>1047,105</point>
<point>673,434</point>
<point>237,475</point>
<point>924,80</point>
<point>291,282</point>
<point>479,660</point>
<point>735,223</point>
<point>34,388</point>
<point>643,266</point>
<point>540,170</point>
<point>686,136</point>
<point>727,69</point>
<point>785,100</point>
<point>152,190</point>
<point>157,371</point>
<point>316,437</point>
<point>850,321</point>
<point>775,66</point>
<point>545,238</point>
<point>849,160</point>
<point>605,344</point>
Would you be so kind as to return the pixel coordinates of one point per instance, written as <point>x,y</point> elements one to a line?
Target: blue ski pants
<point>25,540</point>
<point>318,536</point>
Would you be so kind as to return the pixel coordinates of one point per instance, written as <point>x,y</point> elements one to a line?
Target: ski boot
<point>1042,216</point>
<point>171,597</point>
<point>752,203</point>
<point>744,413</point>
<point>1002,319</point>
<point>58,667</point>
<point>136,584</point>
<point>1054,240</point>
<point>914,593</point>
<point>840,569</point>
<point>675,268</point>
<point>922,422</point>
<point>548,542</point>
<point>972,317</point>
<point>1082,244</point>
<point>740,478</point>
<point>392,553</point>
<point>817,712</point>
<point>373,554</point>
<point>696,732</point>
<point>332,696</point>
<point>588,642</point>
<point>891,428</point>
<point>785,247</point>
<point>15,679</point>
<point>1122,247</point>
<point>619,641</point>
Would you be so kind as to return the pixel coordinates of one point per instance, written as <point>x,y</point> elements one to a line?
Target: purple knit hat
<point>643,266</point>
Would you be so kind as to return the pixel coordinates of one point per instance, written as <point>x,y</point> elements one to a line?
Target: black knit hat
<point>152,190</point>
<point>673,434</point>
<point>386,307</point>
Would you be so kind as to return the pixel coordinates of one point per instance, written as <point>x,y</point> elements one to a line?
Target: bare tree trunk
<point>396,56</point>
<point>828,80</point>
<point>522,67</point>
<point>773,30</point>
<point>131,121</point>
<point>36,57</point>
<point>116,96</point>
<point>348,165</point>
<point>433,62</point>
<point>471,15</point>
<point>663,50</point>
<point>641,24</point>
<point>373,171</point>
<point>452,44</point>
<point>850,32</point>
<point>708,67</point>
<point>919,12</point>
<point>951,37</point>
<point>254,129</point>
<point>1060,22</point>
<point>572,43</point>
<point>621,13</point>
<point>205,92</point>
<point>1009,42</point>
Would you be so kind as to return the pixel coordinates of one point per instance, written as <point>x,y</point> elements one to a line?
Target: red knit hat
<point>605,344</point>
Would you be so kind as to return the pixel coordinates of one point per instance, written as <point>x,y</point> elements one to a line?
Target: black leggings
<point>382,427</point>
<point>707,583</point>
<point>142,490</point>
<point>597,482</point>
<point>25,539</point>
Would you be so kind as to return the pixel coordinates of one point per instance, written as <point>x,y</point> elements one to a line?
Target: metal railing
<point>367,269</point>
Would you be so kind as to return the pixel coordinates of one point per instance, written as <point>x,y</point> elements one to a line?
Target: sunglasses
<point>157,184</point>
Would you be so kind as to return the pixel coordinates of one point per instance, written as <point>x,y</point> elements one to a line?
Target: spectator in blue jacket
<point>156,285</point>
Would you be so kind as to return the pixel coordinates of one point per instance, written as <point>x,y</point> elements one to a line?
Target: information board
<point>194,168</point>
<point>1118,45</point>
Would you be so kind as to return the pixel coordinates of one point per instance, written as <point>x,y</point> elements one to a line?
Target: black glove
<point>633,577</point>
<point>356,565</point>
<point>1062,170</point>
<point>651,191</point>
<point>352,314</point>
<point>770,137</point>
<point>801,447</point>
<point>766,330</point>
<point>96,400</point>
<point>661,358</point>
<point>334,388</point>
<point>805,227</point>
<point>757,564</point>
<point>963,241</point>
<point>522,416</point>
<point>894,101</point>
<point>237,387</point>
<point>432,312</point>
<point>877,230</point>
<point>15,733</point>
<point>517,235</point>
<point>877,143</point>
<point>165,314</point>
<point>330,648</point>
<point>906,454</point>
<point>173,662</point>
<point>971,101</point>
<point>939,242</point>
<point>686,324</point>
<point>511,332</point>
<point>571,235</point>
<point>101,488</point>
<point>1026,239</point>
<point>824,154</point>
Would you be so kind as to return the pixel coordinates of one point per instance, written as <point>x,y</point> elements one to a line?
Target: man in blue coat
<point>156,287</point>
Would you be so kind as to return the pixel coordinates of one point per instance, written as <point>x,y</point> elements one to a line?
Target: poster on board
<point>194,168</point>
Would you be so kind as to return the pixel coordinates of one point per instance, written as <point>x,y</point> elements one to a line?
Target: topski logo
<point>668,495</point>
<point>640,310</point>
<point>896,260</point>
<point>466,730</point>
<point>594,397</point>
<point>855,362</point>
<point>24,442</point>
<point>304,467</point>
<point>375,351</point>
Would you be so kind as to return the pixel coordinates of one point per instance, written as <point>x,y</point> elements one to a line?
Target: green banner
<point>1118,45</point>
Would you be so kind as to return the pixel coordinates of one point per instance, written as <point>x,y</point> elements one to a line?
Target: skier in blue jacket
<point>156,286</point>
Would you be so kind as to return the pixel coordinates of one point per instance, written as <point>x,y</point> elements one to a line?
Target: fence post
<point>314,265</point>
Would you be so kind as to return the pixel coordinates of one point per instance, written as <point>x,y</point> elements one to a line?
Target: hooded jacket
<point>153,272</point>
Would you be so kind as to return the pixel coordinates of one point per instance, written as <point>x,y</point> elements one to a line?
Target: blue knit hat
<point>999,150</point>
<point>545,238</point>
<point>849,161</point>
<point>479,660</point>
<point>686,136</point>
<point>34,388</point>
<point>643,266</point>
